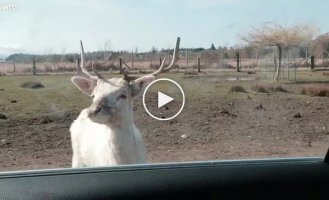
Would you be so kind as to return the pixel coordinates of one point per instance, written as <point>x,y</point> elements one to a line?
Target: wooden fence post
<point>186,59</point>
<point>34,71</point>
<point>77,64</point>
<point>237,61</point>
<point>120,63</point>
<point>274,60</point>
<point>205,59</point>
<point>199,65</point>
<point>312,63</point>
<point>132,59</point>
<point>256,57</point>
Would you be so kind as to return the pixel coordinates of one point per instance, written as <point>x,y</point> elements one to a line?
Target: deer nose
<point>94,111</point>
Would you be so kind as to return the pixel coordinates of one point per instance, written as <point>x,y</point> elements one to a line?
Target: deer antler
<point>99,76</point>
<point>84,70</point>
<point>175,54</point>
<point>129,78</point>
<point>126,76</point>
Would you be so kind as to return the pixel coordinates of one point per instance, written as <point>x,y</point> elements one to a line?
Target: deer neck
<point>122,141</point>
<point>122,133</point>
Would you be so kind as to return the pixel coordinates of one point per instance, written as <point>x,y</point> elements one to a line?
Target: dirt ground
<point>212,126</point>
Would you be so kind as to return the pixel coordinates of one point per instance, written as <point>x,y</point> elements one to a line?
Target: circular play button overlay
<point>163,99</point>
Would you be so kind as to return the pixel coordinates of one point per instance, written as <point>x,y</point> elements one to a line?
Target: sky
<point>42,27</point>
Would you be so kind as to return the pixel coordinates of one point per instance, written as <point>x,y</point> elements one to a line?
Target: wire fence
<point>206,60</point>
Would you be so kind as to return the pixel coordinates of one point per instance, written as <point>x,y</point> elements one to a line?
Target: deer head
<point>112,98</point>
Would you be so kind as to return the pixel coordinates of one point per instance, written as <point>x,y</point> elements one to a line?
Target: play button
<point>163,99</point>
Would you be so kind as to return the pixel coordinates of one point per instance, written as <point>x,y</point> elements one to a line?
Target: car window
<point>104,83</point>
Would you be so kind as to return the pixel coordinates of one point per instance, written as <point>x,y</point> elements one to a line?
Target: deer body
<point>105,133</point>
<point>99,145</point>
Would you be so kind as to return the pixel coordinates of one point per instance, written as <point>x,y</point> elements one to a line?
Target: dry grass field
<point>224,118</point>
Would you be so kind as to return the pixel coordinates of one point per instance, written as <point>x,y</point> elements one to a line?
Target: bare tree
<point>279,36</point>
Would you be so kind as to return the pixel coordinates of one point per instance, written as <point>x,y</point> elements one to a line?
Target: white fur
<point>100,145</point>
<point>110,137</point>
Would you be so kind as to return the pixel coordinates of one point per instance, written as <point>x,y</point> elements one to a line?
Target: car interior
<point>291,178</point>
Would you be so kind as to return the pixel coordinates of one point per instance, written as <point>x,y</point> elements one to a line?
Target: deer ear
<point>140,84</point>
<point>84,84</point>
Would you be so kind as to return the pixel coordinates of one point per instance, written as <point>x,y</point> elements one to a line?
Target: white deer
<point>105,133</point>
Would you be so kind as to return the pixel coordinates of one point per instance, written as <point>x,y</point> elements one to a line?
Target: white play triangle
<point>163,99</point>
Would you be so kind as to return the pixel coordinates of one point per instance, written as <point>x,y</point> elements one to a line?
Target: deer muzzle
<point>94,110</point>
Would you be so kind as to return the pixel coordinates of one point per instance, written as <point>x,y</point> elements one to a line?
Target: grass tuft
<point>32,85</point>
<point>321,90</point>
<point>191,73</point>
<point>237,88</point>
<point>264,88</point>
<point>278,89</point>
<point>260,89</point>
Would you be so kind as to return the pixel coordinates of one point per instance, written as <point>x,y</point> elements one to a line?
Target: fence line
<point>188,60</point>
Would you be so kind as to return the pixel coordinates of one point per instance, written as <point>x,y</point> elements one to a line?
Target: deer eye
<point>92,96</point>
<point>122,96</point>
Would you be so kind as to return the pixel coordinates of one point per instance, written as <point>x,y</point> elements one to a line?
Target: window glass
<point>233,80</point>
